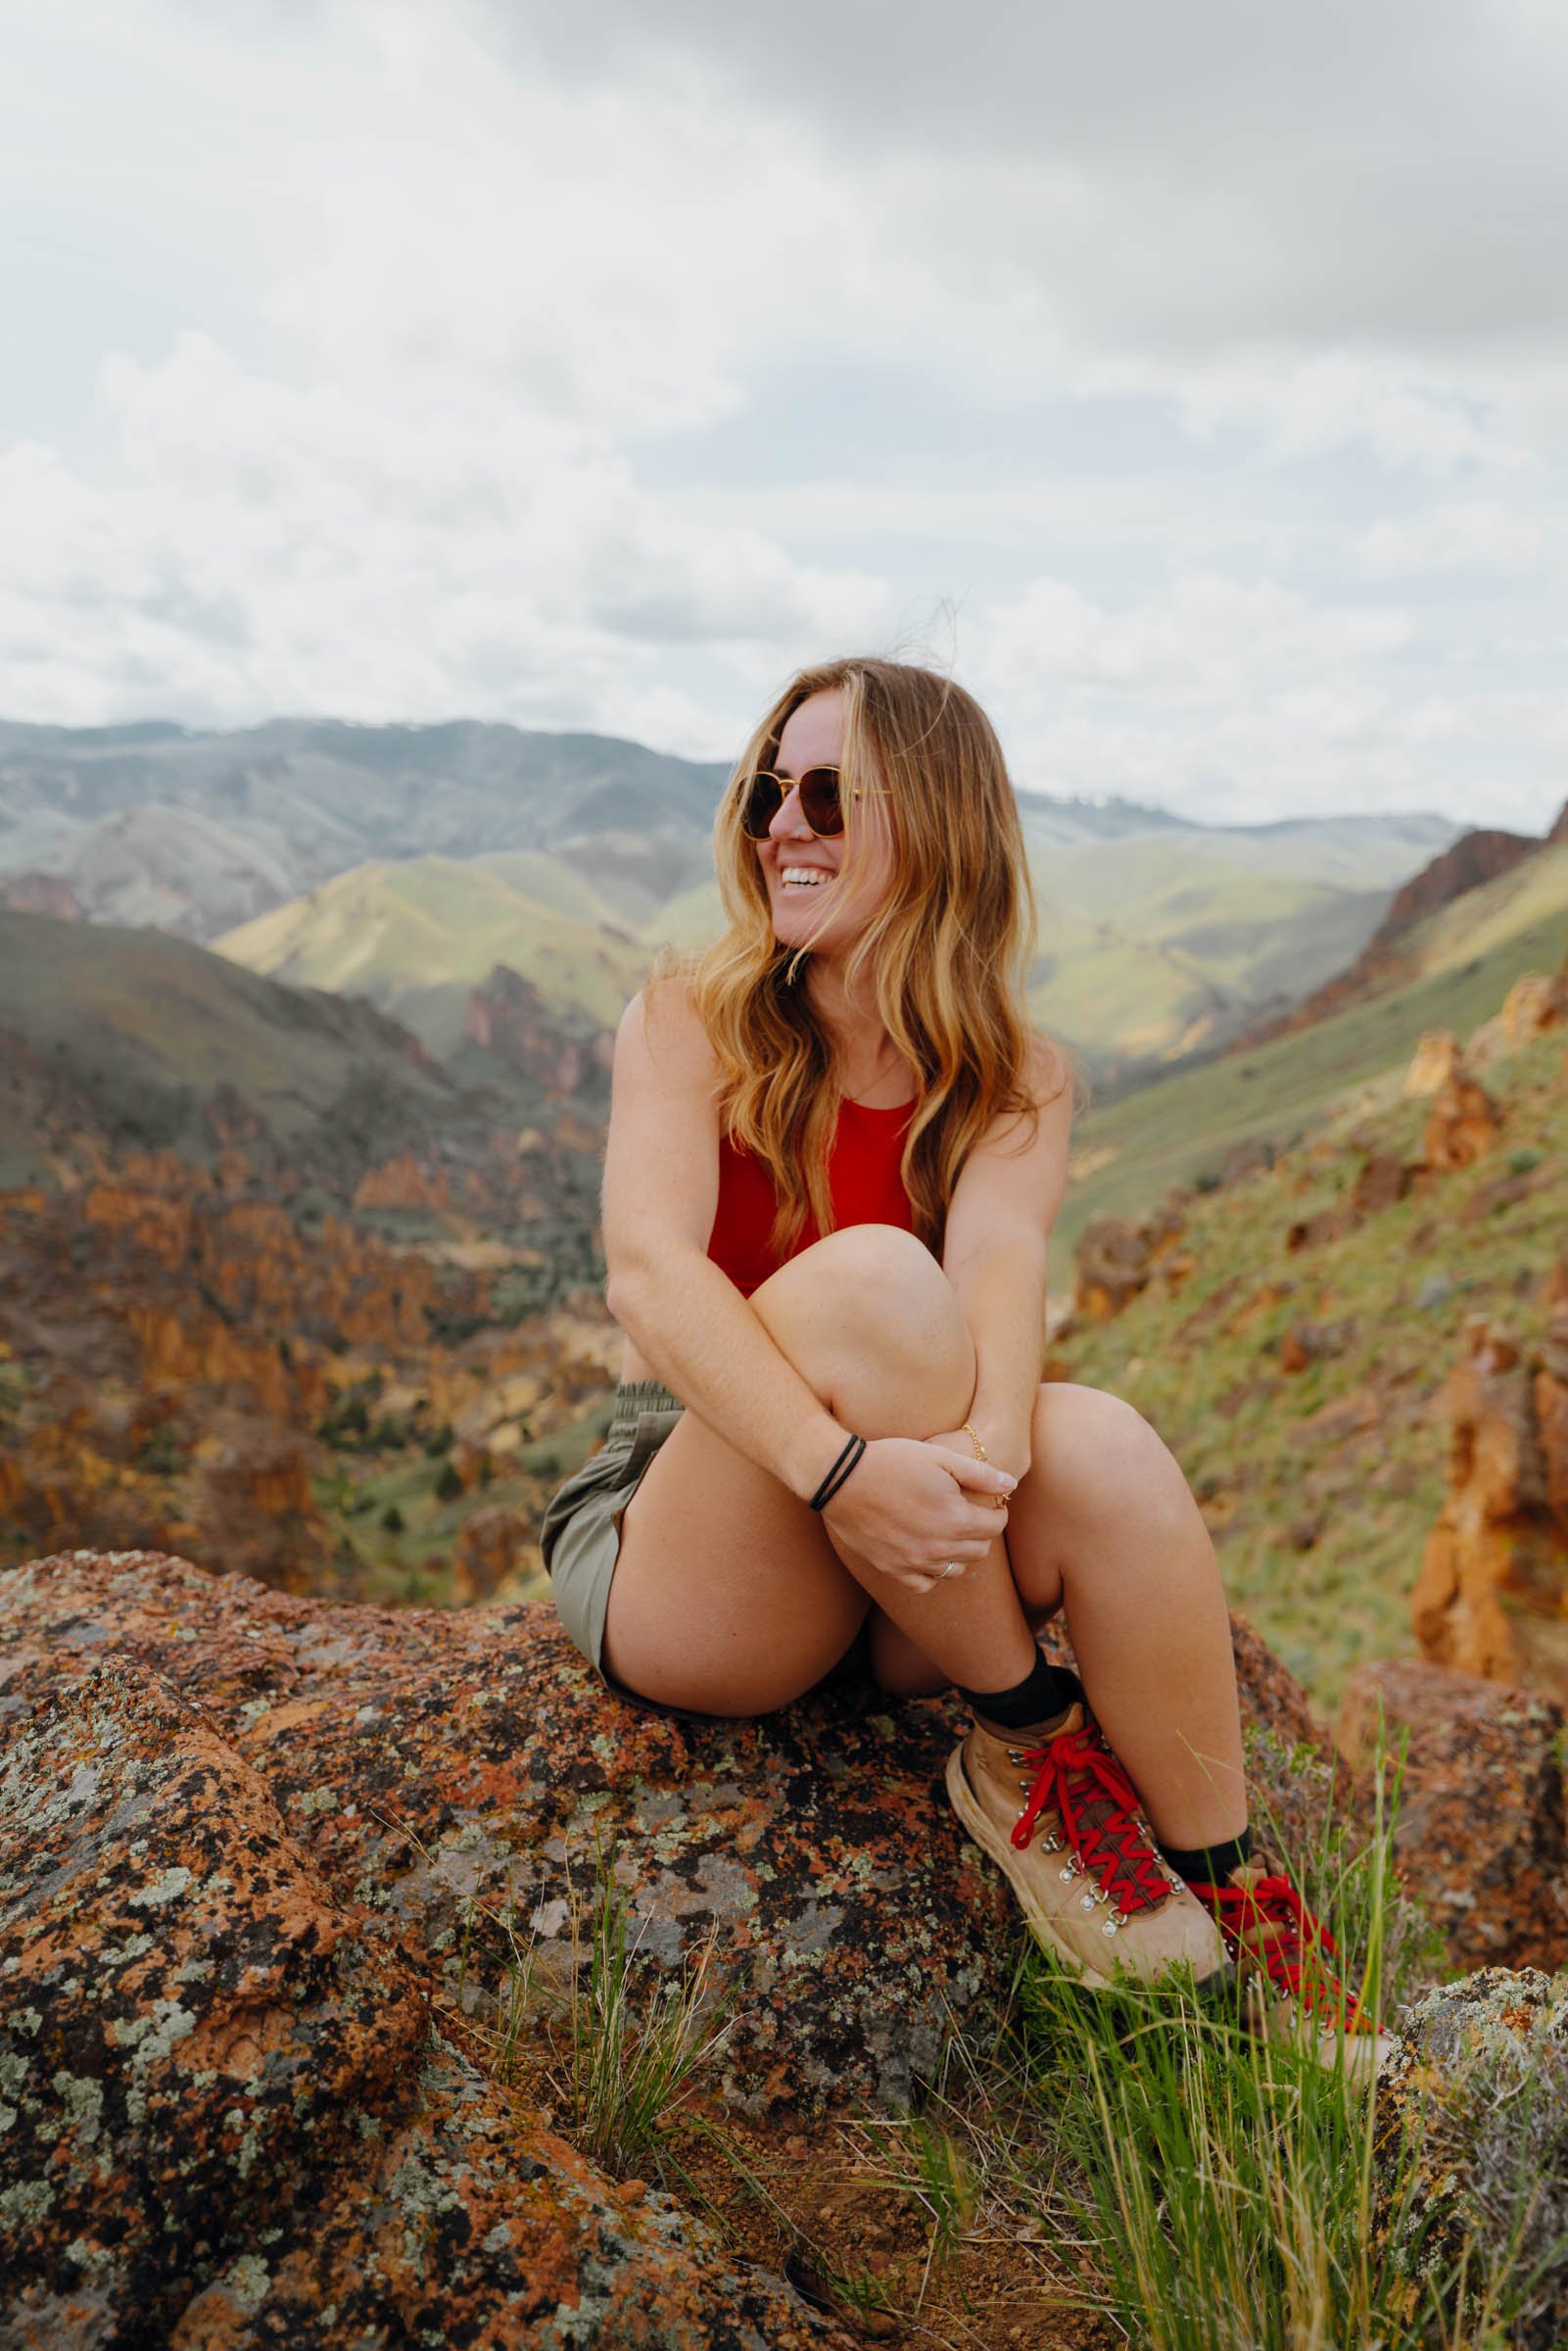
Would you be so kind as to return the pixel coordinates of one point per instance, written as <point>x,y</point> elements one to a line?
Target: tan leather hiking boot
<point>1056,1810</point>
<point>1289,1992</point>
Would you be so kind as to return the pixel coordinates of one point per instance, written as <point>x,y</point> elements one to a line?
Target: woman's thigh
<point>726,1596</point>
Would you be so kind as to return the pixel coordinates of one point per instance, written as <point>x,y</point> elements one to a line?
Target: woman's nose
<point>788,822</point>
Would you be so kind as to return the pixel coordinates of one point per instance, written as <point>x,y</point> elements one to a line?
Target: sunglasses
<point>822,801</point>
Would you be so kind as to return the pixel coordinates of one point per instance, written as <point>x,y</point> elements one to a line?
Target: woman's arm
<point>661,1189</point>
<point>1003,1206</point>
<point>690,1322</point>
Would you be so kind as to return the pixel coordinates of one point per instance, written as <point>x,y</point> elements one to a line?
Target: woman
<point>835,1152</point>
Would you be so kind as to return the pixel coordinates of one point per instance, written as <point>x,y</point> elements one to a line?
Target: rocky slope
<point>1304,1333</point>
<point>268,1869</point>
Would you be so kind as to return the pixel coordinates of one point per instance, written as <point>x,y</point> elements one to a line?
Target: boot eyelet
<point>1112,1926</point>
<point>1086,1902</point>
<point>1066,1875</point>
<point>1015,1755</point>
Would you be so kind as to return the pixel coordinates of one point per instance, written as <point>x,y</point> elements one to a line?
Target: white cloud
<point>1476,536</point>
<point>591,367</point>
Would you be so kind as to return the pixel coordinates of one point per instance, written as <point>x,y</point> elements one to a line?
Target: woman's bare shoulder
<point>661,1031</point>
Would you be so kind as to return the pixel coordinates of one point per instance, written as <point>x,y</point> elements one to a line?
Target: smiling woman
<point>837,1149</point>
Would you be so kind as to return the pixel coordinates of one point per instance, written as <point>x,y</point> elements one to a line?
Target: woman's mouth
<point>803,877</point>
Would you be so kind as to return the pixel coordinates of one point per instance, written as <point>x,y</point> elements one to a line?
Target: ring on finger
<point>953,1567</point>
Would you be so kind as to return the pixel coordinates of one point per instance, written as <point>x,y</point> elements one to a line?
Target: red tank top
<point>863,1181</point>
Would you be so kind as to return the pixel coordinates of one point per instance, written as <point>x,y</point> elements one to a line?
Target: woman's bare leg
<point>1105,1528</point>
<point>729,1596</point>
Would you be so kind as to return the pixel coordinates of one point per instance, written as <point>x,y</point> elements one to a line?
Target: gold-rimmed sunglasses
<point>822,800</point>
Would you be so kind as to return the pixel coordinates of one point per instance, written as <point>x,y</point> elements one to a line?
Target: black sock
<point>1045,1692</point>
<point>1208,1866</point>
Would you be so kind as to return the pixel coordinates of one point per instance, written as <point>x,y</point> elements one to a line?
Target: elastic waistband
<point>634,1397</point>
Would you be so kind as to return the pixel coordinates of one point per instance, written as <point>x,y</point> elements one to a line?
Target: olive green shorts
<point>580,1533</point>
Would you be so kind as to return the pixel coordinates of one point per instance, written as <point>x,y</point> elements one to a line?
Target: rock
<point>494,1545</point>
<point>232,2120</point>
<point>1462,1125</point>
<point>1534,1004</point>
<point>1382,1181</point>
<point>1481,1829</point>
<point>1117,1260</point>
<point>1317,1233</point>
<point>1470,2152</point>
<point>1491,1593</point>
<point>427,1758</point>
<point>508,1017</point>
<point>1436,1060</point>
<point>1434,1292</point>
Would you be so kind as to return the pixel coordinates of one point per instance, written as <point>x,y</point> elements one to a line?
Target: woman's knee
<point>872,1303</point>
<point>1097,1452</point>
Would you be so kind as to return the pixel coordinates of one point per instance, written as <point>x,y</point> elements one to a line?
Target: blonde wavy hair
<point>945,954</point>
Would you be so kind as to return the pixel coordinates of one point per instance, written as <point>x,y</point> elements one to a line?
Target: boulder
<point>1470,2151</point>
<point>265,1859</point>
<point>1491,1595</point>
<point>1481,1828</point>
<point>1535,1003</point>
<point>1436,1059</point>
<point>1117,1260</point>
<point>1462,1125</point>
<point>230,2120</point>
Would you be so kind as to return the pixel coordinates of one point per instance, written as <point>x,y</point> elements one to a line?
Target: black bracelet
<point>836,1475</point>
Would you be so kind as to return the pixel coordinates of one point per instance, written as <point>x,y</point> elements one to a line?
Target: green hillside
<point>134,1032</point>
<point>416,936</point>
<point>1321,1483</point>
<point>1153,949</point>
<point>1130,1151</point>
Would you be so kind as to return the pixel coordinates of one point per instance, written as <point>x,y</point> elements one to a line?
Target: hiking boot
<point>1289,1990</point>
<point>1056,1810</point>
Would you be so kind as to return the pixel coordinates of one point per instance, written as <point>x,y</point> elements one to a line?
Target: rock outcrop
<point>253,1845</point>
<point>1470,2153</point>
<point>230,2119</point>
<point>1462,1125</point>
<point>1481,1829</point>
<point>1433,1063</point>
<point>508,1017</point>
<point>1117,1260</point>
<point>1491,1597</point>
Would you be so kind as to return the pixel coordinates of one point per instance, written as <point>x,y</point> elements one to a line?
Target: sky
<point>1191,383</point>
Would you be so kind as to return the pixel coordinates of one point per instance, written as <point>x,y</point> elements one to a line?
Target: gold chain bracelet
<point>998,1501</point>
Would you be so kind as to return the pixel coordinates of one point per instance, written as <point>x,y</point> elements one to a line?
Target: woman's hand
<point>909,1509</point>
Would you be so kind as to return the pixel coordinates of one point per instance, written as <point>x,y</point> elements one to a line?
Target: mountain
<point>116,1041</point>
<point>415,937</point>
<point>568,859</point>
<point>243,821</point>
<point>1403,946</point>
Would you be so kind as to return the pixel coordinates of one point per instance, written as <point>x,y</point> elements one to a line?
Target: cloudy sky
<point>1193,382</point>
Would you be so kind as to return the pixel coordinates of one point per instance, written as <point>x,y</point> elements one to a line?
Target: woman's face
<point>811,907</point>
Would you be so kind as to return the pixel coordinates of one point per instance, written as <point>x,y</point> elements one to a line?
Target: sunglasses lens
<point>763,801</point>
<point>820,803</point>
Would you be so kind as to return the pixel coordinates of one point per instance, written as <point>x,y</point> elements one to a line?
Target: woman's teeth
<point>802,877</point>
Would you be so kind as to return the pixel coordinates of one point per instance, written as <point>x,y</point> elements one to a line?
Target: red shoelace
<point>1077,1776</point>
<point>1271,1923</point>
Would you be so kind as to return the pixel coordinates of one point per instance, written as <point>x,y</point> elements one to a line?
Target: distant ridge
<point>1472,862</point>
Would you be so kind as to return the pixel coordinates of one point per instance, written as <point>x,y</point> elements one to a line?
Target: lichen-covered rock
<point>225,2116</point>
<point>432,1762</point>
<point>1471,2147</point>
<point>437,1766</point>
<point>1481,1828</point>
